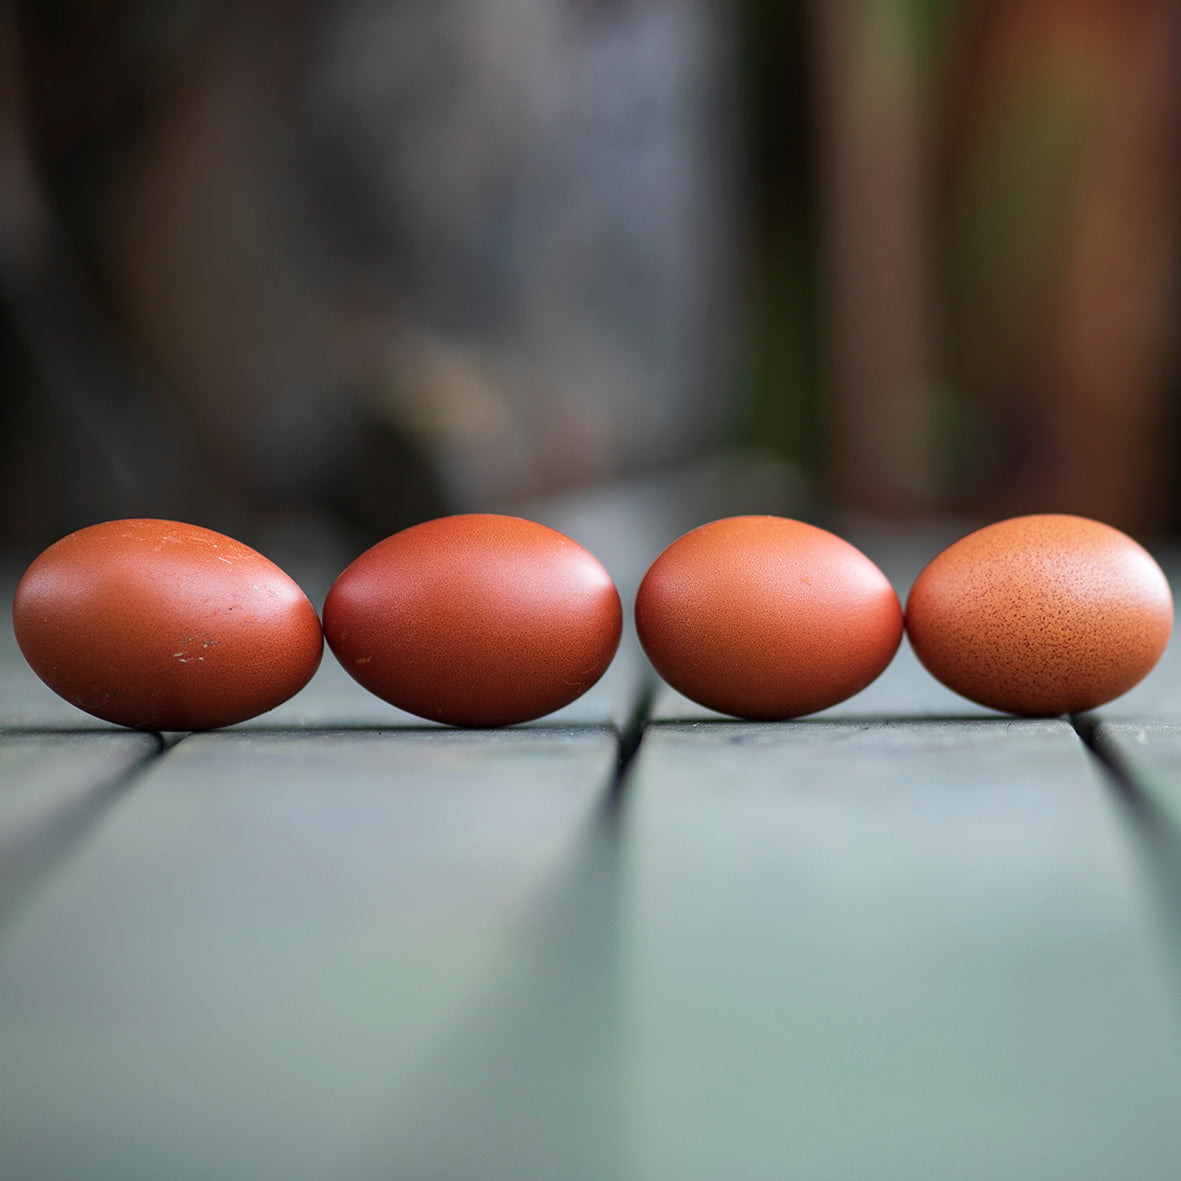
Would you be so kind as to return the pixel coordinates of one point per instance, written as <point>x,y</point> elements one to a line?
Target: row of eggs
<point>489,620</point>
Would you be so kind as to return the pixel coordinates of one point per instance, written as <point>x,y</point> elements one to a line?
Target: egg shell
<point>767,618</point>
<point>475,620</point>
<point>165,626</point>
<point>1041,615</point>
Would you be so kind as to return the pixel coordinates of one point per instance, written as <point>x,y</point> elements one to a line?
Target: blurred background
<point>339,267</point>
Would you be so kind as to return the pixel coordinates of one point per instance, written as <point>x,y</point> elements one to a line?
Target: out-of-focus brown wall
<point>997,215</point>
<point>1059,201</point>
<point>354,264</point>
<point>365,260</point>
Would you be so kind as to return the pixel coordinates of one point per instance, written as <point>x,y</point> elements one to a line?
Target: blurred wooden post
<point>1062,168</point>
<point>1102,376</point>
<point>871,167</point>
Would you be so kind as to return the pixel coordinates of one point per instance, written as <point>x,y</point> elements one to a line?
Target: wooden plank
<point>869,951</point>
<point>831,949</point>
<point>1148,752</point>
<point>532,1080</point>
<point>1138,737</point>
<point>60,770</point>
<point>53,786</point>
<point>1145,763</point>
<point>249,964</point>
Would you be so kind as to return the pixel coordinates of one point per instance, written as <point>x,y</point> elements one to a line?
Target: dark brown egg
<point>764,617</point>
<point>1041,615</point>
<point>475,620</point>
<point>165,626</point>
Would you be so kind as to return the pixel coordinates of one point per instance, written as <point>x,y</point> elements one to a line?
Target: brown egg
<point>165,626</point>
<point>1041,615</point>
<point>764,617</point>
<point>475,620</point>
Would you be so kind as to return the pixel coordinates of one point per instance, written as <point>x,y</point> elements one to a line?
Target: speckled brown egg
<point>165,626</point>
<point>475,620</point>
<point>767,618</point>
<point>1041,615</point>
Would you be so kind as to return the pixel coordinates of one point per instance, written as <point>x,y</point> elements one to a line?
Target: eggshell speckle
<point>475,620</point>
<point>1041,615</point>
<point>765,617</point>
<point>165,626</point>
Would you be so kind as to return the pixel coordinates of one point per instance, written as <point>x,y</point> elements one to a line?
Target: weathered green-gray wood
<point>1145,762</point>
<point>879,951</point>
<point>864,945</point>
<point>53,787</point>
<point>533,1080</point>
<point>1147,752</point>
<point>247,967</point>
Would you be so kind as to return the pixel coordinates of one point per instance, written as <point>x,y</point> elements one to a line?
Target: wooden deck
<point>906,938</point>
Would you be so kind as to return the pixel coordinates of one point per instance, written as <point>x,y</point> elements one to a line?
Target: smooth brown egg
<point>767,618</point>
<point>1041,615</point>
<point>475,620</point>
<point>164,626</point>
